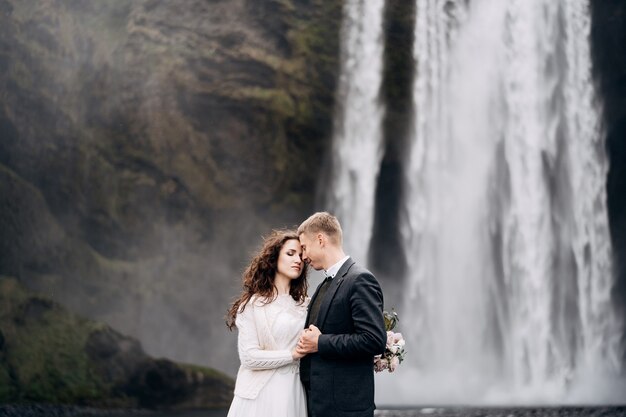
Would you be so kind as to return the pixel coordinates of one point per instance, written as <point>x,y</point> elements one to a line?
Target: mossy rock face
<point>115,356</point>
<point>164,384</point>
<point>158,383</point>
<point>44,349</point>
<point>142,140</point>
<point>130,115</point>
<point>49,355</point>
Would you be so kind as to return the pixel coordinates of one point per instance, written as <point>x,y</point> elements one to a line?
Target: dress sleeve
<point>251,354</point>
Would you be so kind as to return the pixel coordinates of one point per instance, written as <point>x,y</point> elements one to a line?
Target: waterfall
<point>505,223</point>
<point>357,135</point>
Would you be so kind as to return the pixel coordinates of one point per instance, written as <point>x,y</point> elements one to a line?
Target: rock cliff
<point>143,143</point>
<point>49,355</point>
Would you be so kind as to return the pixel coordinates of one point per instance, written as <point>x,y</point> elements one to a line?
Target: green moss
<point>314,41</point>
<point>45,349</point>
<point>43,357</point>
<point>289,66</point>
<point>61,371</point>
<point>277,100</point>
<point>207,372</point>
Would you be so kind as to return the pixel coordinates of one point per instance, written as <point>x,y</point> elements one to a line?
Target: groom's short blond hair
<point>323,222</point>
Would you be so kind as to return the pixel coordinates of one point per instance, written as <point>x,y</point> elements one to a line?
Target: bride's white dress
<point>283,395</point>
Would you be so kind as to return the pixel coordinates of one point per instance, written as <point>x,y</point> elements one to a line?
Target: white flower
<point>379,364</point>
<point>393,363</point>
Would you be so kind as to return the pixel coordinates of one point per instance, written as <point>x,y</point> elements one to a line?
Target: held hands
<point>296,354</point>
<point>308,341</point>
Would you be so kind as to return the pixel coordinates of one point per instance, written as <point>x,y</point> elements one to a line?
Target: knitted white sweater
<point>263,347</point>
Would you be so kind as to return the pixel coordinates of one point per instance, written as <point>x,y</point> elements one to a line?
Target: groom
<point>344,326</point>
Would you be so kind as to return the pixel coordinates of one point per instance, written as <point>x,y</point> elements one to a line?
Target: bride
<point>270,315</point>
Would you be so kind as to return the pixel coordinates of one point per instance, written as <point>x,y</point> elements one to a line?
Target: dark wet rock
<point>164,384</point>
<point>159,383</point>
<point>116,356</point>
<point>33,309</point>
<point>45,410</point>
<point>54,356</point>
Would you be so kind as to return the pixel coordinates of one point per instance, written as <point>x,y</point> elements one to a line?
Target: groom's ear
<point>320,238</point>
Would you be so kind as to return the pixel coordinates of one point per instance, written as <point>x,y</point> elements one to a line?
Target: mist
<point>147,146</point>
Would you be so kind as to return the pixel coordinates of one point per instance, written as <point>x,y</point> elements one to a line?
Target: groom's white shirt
<point>332,271</point>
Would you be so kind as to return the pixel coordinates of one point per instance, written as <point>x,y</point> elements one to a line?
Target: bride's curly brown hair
<point>258,277</point>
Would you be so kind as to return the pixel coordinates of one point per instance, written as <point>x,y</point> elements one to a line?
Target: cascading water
<point>505,229</point>
<point>357,141</point>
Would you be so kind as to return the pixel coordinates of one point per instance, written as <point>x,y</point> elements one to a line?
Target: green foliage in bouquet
<point>394,350</point>
<point>391,319</point>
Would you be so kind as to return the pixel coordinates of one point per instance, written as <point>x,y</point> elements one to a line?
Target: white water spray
<point>357,138</point>
<point>506,231</point>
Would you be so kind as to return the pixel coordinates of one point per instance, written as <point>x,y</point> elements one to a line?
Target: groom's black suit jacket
<point>351,320</point>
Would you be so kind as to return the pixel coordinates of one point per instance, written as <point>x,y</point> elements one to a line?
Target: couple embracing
<point>302,356</point>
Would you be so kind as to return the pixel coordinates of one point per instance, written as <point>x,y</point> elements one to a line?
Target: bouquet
<point>394,351</point>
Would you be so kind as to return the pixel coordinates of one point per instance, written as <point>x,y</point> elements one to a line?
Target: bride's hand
<point>296,354</point>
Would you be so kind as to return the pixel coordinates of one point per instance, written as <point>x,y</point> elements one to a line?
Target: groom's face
<point>312,252</point>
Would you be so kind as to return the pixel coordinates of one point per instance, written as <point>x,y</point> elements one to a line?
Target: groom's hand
<point>308,340</point>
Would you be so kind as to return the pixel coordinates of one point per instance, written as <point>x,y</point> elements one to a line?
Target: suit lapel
<point>330,294</point>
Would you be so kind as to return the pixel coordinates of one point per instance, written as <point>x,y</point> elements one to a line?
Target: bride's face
<point>290,259</point>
